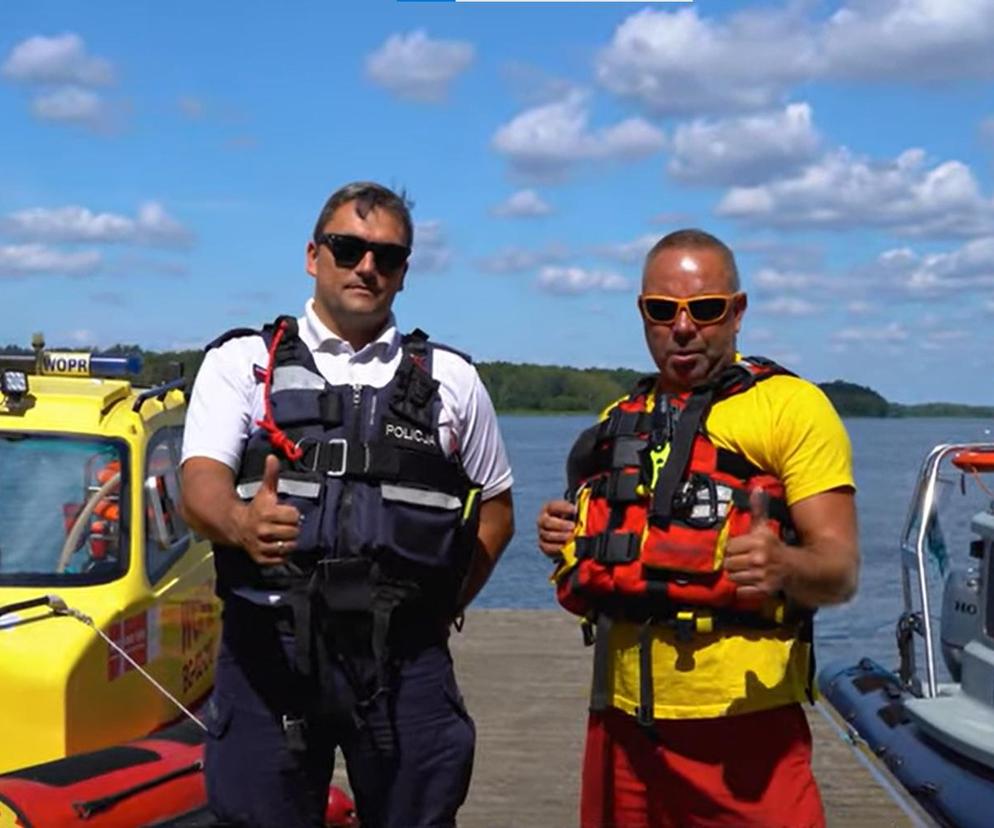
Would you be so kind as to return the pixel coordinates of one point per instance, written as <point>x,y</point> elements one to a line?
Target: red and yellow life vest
<point>657,502</point>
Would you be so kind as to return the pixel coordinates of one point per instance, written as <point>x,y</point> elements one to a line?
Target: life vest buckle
<point>685,624</point>
<point>689,499</point>
<point>295,730</point>
<point>342,445</point>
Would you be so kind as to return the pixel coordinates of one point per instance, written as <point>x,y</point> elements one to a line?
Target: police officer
<point>358,494</point>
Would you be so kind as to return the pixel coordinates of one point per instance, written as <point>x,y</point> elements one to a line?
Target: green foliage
<point>855,400</point>
<point>940,409</point>
<point>554,389</point>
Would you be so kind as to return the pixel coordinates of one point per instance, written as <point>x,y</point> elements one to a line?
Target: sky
<point>162,166</point>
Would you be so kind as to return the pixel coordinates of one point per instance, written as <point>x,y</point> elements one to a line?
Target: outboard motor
<point>960,620</point>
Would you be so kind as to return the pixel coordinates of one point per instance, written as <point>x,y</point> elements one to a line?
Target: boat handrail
<point>922,504</point>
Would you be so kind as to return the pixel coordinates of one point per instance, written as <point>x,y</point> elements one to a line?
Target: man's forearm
<point>210,504</point>
<point>822,573</point>
<point>496,530</point>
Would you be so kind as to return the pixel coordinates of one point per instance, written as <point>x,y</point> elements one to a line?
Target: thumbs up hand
<point>268,529</point>
<point>757,560</point>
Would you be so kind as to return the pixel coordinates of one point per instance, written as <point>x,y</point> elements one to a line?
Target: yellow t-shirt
<point>788,427</point>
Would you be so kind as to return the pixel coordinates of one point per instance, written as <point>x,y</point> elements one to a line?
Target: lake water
<point>887,455</point>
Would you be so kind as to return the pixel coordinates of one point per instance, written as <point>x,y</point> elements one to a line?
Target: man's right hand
<point>267,529</point>
<point>556,523</point>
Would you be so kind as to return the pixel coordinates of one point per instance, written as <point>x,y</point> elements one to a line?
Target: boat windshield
<point>63,515</point>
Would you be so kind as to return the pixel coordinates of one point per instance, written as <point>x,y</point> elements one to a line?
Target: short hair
<point>693,238</point>
<point>367,196</point>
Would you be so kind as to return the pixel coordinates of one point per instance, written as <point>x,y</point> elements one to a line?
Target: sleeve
<point>483,454</point>
<point>813,448</point>
<point>219,416</point>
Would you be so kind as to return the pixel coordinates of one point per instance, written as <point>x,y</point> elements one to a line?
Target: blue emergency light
<point>73,364</point>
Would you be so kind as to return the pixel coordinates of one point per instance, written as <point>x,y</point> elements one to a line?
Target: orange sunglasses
<point>702,310</point>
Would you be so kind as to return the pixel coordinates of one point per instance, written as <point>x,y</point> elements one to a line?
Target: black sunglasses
<point>349,250</point>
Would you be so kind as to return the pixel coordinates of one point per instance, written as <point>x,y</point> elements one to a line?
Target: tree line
<point>556,389</point>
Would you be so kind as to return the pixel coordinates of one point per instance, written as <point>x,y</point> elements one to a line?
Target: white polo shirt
<point>227,399</point>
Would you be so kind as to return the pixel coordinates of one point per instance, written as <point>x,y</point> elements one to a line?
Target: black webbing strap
<point>776,507</point>
<point>646,713</point>
<point>736,465</point>
<point>616,454</point>
<point>599,699</point>
<point>609,548</point>
<point>414,387</point>
<point>621,423</point>
<point>299,598</point>
<point>687,426</point>
<point>341,457</point>
<point>616,487</point>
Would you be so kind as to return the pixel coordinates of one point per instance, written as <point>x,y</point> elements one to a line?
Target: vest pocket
<point>422,525</point>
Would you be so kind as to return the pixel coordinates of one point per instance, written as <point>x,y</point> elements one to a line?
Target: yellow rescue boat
<point>93,548</point>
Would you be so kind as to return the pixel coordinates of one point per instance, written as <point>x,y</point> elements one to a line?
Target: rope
<point>277,436</point>
<point>58,607</point>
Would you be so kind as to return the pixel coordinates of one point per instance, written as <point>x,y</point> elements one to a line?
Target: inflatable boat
<point>935,737</point>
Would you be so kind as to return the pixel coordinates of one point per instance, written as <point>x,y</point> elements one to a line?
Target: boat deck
<point>525,676</point>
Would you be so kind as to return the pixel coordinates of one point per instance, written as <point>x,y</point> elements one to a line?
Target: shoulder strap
<point>687,426</point>
<point>414,387</point>
<point>234,333</point>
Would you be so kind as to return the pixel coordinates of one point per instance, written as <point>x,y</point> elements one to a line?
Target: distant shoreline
<point>558,390</point>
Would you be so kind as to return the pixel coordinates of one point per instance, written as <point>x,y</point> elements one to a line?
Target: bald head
<point>693,239</point>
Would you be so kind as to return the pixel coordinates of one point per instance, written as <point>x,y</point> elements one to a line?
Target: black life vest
<point>366,469</point>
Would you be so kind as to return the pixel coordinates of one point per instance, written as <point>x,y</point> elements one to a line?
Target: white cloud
<point>516,259</point>
<point>893,332</point>
<point>940,340</point>
<point>772,280</point>
<point>524,203</point>
<point>573,280</point>
<point>679,63</point>
<point>547,140</point>
<point>56,60</point>
<point>780,255</point>
<point>789,306</point>
<point>858,307</point>
<point>152,226</point>
<point>432,253</point>
<point>71,104</point>
<point>37,259</point>
<point>628,252</point>
<point>415,67</point>
<point>967,268</point>
<point>744,150</point>
<point>842,191</point>
<point>910,40</point>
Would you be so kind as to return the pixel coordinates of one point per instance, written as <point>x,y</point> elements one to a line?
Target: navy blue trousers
<point>255,779</point>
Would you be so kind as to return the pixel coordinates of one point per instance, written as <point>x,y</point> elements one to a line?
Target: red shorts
<point>733,772</point>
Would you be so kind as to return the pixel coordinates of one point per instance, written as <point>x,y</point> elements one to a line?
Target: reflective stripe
<point>296,377</point>
<point>419,497</point>
<point>246,491</point>
<point>299,488</point>
<point>295,488</point>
